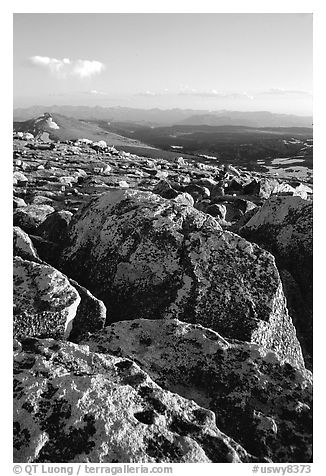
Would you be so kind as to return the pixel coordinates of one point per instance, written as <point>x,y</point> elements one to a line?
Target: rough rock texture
<point>217,210</point>
<point>18,202</point>
<point>184,199</point>
<point>243,220</point>
<point>54,227</point>
<point>262,188</point>
<point>197,192</point>
<point>23,246</point>
<point>40,200</point>
<point>30,217</point>
<point>48,304</point>
<point>165,189</point>
<point>44,301</point>
<point>258,399</point>
<point>182,264</point>
<point>72,405</point>
<point>145,256</point>
<point>47,250</point>
<point>283,225</point>
<point>19,178</point>
<point>90,315</point>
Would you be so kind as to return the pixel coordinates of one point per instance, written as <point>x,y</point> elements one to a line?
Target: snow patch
<point>51,124</point>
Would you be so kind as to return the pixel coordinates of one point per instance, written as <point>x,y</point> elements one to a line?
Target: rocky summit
<point>162,307</point>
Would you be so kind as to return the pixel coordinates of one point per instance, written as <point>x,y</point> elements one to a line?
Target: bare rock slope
<point>283,226</point>
<point>200,361</point>
<point>258,399</point>
<point>46,304</point>
<point>148,257</point>
<point>90,407</point>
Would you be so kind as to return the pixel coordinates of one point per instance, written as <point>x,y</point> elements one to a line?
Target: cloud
<point>214,93</point>
<point>149,93</point>
<point>186,91</point>
<point>284,92</point>
<point>54,65</point>
<point>61,68</point>
<point>95,92</point>
<point>87,68</point>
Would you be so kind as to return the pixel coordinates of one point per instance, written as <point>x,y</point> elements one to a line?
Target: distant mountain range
<point>235,144</point>
<point>59,127</point>
<point>168,117</point>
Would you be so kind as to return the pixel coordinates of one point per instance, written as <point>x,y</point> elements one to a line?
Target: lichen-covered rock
<point>283,225</point>
<point>90,315</point>
<point>235,185</point>
<point>300,309</point>
<point>145,256</point>
<point>54,227</point>
<point>18,202</point>
<point>42,200</point>
<point>303,191</point>
<point>207,182</point>
<point>73,405</point>
<point>217,210</point>
<point>23,246</point>
<point>197,192</point>
<point>184,199</point>
<point>19,178</point>
<point>48,304</point>
<point>244,205</point>
<point>47,250</point>
<point>30,217</point>
<point>258,399</point>
<point>233,211</point>
<point>262,188</point>
<point>45,303</point>
<point>165,189</point>
<point>243,220</point>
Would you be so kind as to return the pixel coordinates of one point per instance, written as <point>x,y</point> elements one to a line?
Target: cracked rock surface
<point>199,361</point>
<point>283,226</point>
<point>75,405</point>
<point>46,304</point>
<point>258,399</point>
<point>44,301</point>
<point>149,257</point>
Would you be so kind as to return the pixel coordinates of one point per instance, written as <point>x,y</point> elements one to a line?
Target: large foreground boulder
<point>147,257</point>
<point>23,246</point>
<point>284,226</point>
<point>258,399</point>
<point>73,405</point>
<point>46,304</point>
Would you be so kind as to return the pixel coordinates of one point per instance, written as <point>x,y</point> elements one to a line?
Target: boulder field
<point>152,257</point>
<point>162,310</point>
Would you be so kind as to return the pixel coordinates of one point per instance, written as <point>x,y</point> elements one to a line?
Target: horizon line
<point>162,109</point>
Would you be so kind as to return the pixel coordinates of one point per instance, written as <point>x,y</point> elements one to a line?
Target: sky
<point>200,61</point>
